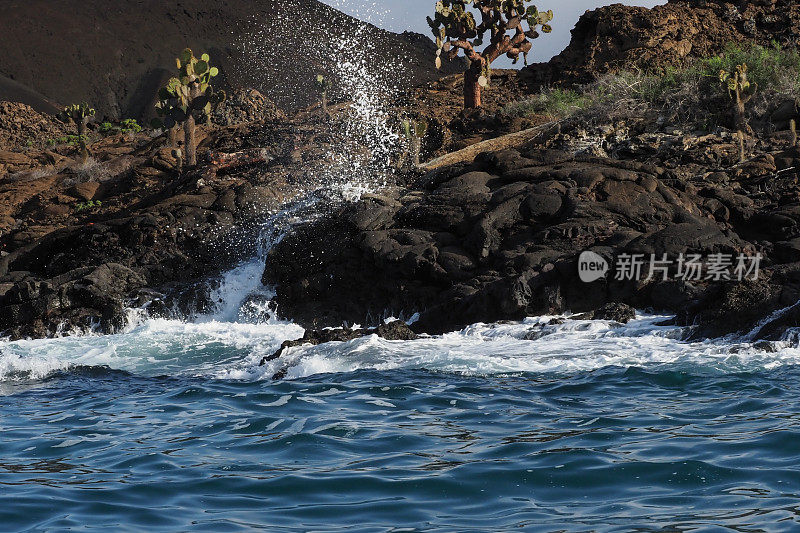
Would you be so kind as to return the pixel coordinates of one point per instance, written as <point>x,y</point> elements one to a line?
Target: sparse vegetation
<point>88,206</point>
<point>69,140</point>
<point>129,125</point>
<point>90,170</point>
<point>770,67</point>
<point>455,28</point>
<point>687,97</point>
<point>556,103</point>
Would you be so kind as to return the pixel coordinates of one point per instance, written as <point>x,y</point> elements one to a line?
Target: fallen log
<point>219,161</point>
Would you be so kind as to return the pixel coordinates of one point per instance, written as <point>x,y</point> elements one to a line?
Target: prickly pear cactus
<point>322,83</point>
<point>80,114</point>
<point>188,99</point>
<point>414,131</point>
<point>323,86</point>
<point>462,25</point>
<point>741,91</point>
<point>737,81</point>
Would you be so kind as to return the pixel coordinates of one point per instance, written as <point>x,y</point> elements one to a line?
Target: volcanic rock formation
<point>499,237</point>
<point>619,37</point>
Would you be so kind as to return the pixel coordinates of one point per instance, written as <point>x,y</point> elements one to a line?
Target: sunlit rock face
<point>618,37</point>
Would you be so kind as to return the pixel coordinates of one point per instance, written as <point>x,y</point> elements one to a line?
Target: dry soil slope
<point>116,54</point>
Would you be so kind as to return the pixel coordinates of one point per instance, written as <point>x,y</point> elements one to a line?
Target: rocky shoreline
<point>486,237</point>
<point>81,243</point>
<point>499,238</point>
<point>495,238</point>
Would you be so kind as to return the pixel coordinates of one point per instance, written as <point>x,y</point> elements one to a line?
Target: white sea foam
<point>536,347</point>
<point>231,350</point>
<point>155,347</point>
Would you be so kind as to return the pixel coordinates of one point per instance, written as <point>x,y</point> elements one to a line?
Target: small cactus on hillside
<point>323,86</point>
<point>414,132</point>
<point>741,91</point>
<point>189,99</point>
<point>456,28</point>
<point>80,114</point>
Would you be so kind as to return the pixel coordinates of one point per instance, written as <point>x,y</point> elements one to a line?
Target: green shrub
<point>69,140</point>
<point>88,206</point>
<point>771,67</point>
<point>556,103</point>
<point>128,125</point>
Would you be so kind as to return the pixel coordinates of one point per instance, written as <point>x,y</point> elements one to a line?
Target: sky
<point>402,15</point>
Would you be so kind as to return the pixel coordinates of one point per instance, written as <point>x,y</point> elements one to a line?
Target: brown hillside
<point>116,54</point>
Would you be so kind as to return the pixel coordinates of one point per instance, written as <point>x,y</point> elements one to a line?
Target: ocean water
<point>580,426</point>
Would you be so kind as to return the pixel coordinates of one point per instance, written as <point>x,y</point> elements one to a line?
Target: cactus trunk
<point>189,143</point>
<point>742,153</point>
<point>472,89</point>
<point>84,151</point>
<point>173,137</point>
<point>739,114</point>
<point>189,131</point>
<point>416,148</point>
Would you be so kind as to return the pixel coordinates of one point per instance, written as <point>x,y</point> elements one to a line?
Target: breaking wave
<point>217,349</point>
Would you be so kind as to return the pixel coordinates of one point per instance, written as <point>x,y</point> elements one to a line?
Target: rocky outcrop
<point>246,105</point>
<point>618,37</point>
<point>615,312</point>
<point>396,330</point>
<point>499,238</point>
<point>80,299</point>
<point>83,274</point>
<point>81,242</point>
<point>22,127</point>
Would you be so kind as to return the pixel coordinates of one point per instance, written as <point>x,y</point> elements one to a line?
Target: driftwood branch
<point>218,161</point>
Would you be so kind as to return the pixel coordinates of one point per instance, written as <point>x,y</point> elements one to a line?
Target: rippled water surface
<point>584,427</point>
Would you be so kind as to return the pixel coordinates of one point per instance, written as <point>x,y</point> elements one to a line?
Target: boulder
<point>393,331</point>
<point>615,312</point>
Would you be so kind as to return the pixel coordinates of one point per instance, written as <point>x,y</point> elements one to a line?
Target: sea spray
<point>363,146</point>
<point>239,295</point>
<point>537,346</point>
<point>363,134</point>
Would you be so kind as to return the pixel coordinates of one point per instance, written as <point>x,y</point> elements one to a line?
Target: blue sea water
<point>584,426</point>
